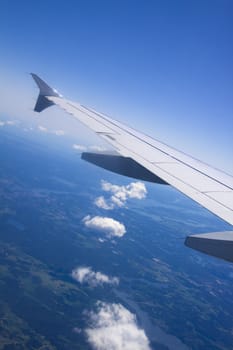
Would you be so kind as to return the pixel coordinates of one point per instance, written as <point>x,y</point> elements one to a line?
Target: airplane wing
<point>207,186</point>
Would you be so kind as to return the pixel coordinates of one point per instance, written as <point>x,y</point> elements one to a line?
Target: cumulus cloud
<point>111,227</point>
<point>92,278</point>
<point>120,194</point>
<point>113,327</point>
<point>102,203</point>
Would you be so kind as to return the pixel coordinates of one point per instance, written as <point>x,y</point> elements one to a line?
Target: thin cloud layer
<point>97,148</point>
<point>45,130</point>
<point>92,278</point>
<point>113,327</point>
<point>58,132</point>
<point>79,147</point>
<point>83,148</point>
<point>111,227</point>
<point>120,194</point>
<point>101,202</point>
<point>42,128</point>
<point>7,122</point>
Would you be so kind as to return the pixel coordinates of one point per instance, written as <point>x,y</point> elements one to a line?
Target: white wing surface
<point>207,186</point>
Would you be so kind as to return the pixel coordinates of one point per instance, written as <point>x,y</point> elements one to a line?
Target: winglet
<point>45,90</point>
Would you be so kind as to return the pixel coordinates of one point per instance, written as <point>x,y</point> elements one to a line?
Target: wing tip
<point>45,90</point>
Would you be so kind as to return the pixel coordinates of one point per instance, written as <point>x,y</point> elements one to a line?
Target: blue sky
<point>164,67</point>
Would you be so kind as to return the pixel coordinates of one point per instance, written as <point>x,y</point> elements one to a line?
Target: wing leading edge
<point>207,186</point>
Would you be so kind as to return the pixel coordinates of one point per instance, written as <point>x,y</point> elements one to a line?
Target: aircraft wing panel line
<point>218,187</point>
<point>216,207</point>
<point>204,184</point>
<point>207,186</point>
<point>115,129</point>
<point>85,117</point>
<point>162,147</point>
<point>93,118</point>
<point>126,143</point>
<point>227,200</point>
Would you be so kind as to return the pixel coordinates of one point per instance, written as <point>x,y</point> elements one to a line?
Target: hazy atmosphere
<point>90,259</point>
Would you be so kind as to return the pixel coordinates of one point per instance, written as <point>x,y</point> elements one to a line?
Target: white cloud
<point>113,327</point>
<point>111,227</point>
<point>133,190</point>
<point>93,278</point>
<point>83,148</point>
<point>79,147</point>
<point>42,128</point>
<point>120,194</point>
<point>11,122</point>
<point>77,330</point>
<point>58,132</point>
<point>97,148</point>
<point>8,122</point>
<point>55,132</point>
<point>101,203</point>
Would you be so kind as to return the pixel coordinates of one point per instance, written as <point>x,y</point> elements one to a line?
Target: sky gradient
<point>163,67</point>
